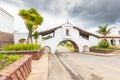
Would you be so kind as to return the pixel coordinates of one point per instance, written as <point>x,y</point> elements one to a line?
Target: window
<point>113,42</point>
<point>85,36</point>
<point>67,32</point>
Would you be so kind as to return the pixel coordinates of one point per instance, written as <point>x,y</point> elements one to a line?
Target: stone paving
<point>39,68</point>
<point>56,70</point>
<point>48,68</point>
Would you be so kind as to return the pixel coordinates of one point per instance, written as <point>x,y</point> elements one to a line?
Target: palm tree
<point>33,16</point>
<point>103,30</point>
<point>36,36</point>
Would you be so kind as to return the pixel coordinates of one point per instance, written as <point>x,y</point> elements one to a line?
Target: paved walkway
<point>39,68</point>
<point>48,68</point>
<point>56,70</point>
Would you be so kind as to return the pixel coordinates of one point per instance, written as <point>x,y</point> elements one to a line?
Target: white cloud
<point>54,13</point>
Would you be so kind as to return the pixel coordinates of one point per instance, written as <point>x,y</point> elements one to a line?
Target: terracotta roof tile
<point>49,30</point>
<point>79,29</point>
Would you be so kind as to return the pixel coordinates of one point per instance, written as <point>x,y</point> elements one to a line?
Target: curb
<point>73,74</point>
<point>99,54</point>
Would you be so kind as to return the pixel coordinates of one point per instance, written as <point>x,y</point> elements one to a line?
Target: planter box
<point>100,51</point>
<point>19,70</point>
<point>36,54</point>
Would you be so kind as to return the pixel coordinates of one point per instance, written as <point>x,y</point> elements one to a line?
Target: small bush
<point>12,58</point>
<point>18,47</point>
<point>71,48</point>
<point>5,59</point>
<point>103,44</point>
<point>98,47</point>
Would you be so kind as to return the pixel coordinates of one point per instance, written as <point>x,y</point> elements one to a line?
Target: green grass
<point>71,48</point>
<point>6,59</point>
<point>18,47</point>
<point>98,47</point>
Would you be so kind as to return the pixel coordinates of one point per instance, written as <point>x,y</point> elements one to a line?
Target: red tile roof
<point>111,36</point>
<point>79,29</point>
<point>49,30</point>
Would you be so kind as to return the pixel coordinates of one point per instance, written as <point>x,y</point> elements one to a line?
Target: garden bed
<point>36,54</point>
<point>18,70</point>
<point>5,59</point>
<point>101,51</point>
<point>30,49</point>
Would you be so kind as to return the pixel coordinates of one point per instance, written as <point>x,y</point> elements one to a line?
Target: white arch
<point>77,37</point>
<point>85,48</point>
<point>52,43</point>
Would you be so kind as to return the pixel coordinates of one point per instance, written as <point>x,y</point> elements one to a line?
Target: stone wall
<point>36,54</point>
<point>100,51</point>
<point>19,70</point>
<point>6,39</point>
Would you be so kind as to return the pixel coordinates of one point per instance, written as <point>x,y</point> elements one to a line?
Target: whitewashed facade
<point>6,28</point>
<point>80,39</point>
<point>6,21</point>
<point>18,36</point>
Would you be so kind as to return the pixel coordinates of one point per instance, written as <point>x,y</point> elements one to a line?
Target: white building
<point>6,21</point>
<point>6,28</point>
<point>80,39</point>
<point>20,36</point>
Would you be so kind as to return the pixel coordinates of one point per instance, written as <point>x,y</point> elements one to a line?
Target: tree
<point>36,36</point>
<point>31,17</point>
<point>30,30</point>
<point>47,37</point>
<point>103,30</point>
<point>64,42</point>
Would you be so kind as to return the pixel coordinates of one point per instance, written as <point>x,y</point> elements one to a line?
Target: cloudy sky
<point>86,14</point>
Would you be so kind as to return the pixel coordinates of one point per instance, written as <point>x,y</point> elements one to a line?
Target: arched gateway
<point>78,37</point>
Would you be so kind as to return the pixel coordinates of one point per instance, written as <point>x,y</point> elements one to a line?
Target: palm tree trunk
<point>105,37</point>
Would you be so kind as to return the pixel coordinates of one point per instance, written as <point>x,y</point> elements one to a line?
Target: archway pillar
<point>52,48</point>
<point>80,49</point>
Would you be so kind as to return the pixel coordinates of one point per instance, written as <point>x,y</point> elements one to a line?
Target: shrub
<point>98,47</point>
<point>12,58</point>
<point>71,48</point>
<point>5,59</point>
<point>18,47</point>
<point>103,44</point>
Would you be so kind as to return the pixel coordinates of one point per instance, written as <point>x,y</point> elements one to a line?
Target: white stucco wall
<point>6,21</point>
<point>117,41</point>
<point>18,36</point>
<point>60,35</point>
